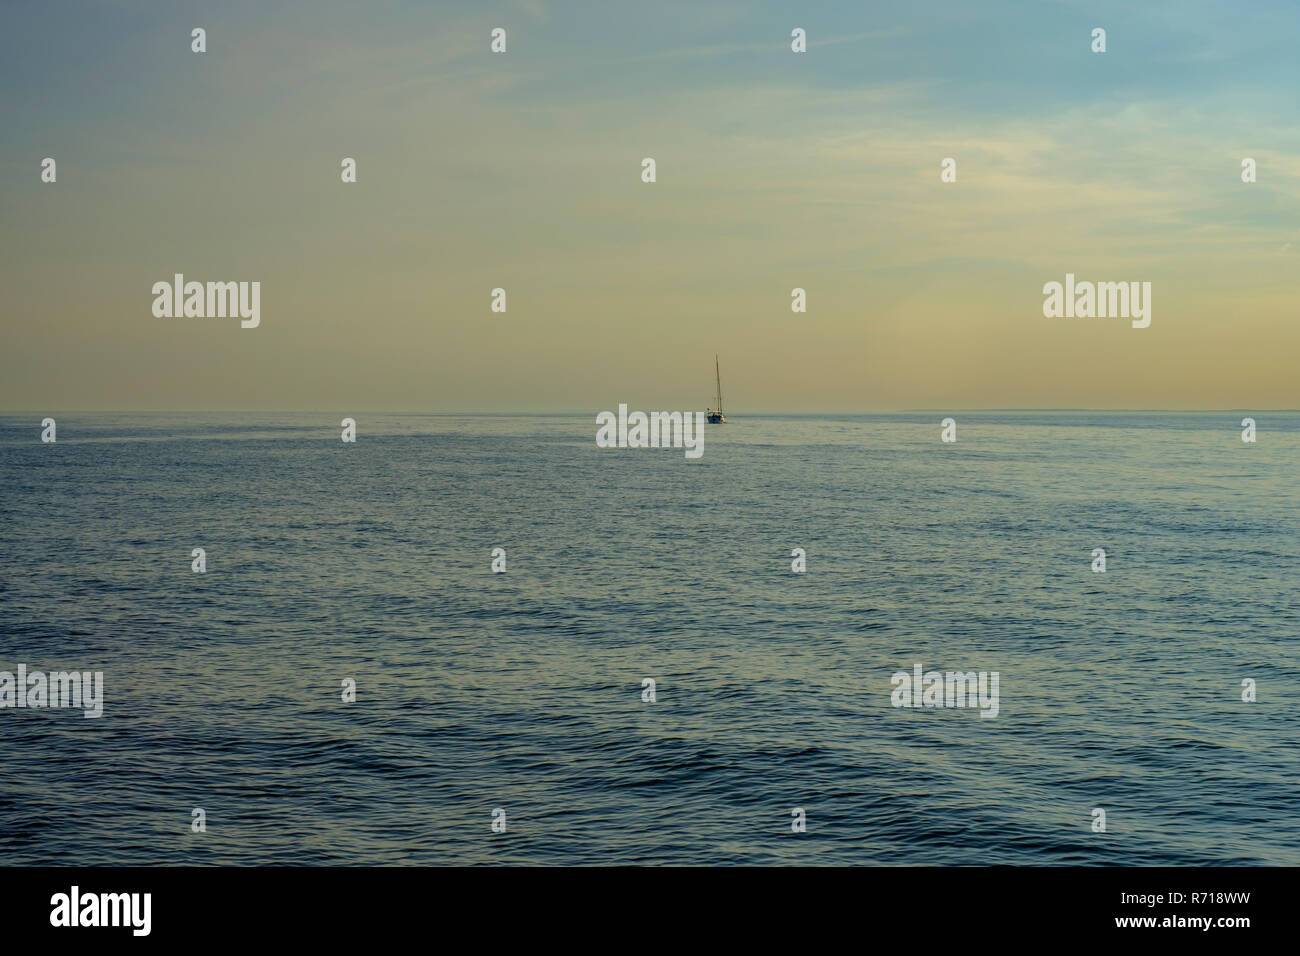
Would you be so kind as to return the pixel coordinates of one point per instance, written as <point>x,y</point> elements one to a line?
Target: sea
<point>504,717</point>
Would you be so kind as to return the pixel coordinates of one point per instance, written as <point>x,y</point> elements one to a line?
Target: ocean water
<point>522,691</point>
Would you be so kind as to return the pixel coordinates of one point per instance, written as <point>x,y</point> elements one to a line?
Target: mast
<point>719,376</point>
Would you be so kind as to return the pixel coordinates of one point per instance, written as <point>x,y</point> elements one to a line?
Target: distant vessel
<point>716,417</point>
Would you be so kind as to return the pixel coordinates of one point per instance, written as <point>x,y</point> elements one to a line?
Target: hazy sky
<point>523,171</point>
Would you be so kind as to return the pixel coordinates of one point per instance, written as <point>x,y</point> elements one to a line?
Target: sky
<point>522,171</point>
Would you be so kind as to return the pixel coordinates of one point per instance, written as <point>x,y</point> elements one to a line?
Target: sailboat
<point>716,417</point>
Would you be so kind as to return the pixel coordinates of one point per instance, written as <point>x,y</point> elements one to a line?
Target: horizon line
<point>508,413</point>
